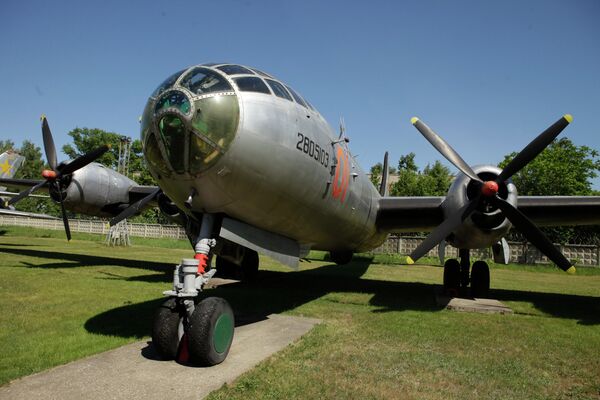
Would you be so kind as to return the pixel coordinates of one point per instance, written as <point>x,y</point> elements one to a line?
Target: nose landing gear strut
<point>185,327</point>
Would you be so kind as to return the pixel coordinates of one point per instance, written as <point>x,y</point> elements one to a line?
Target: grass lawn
<point>382,335</point>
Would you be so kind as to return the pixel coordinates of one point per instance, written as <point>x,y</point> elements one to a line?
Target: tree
<point>6,145</point>
<point>87,139</point>
<point>562,169</point>
<point>434,180</point>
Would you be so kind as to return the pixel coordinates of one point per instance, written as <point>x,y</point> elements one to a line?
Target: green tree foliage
<point>434,180</point>
<point>562,169</point>
<point>376,173</point>
<point>87,139</point>
<point>6,145</point>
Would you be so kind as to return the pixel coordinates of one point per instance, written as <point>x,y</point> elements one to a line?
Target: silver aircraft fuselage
<point>259,156</point>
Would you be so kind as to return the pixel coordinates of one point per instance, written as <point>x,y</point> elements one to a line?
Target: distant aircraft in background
<point>247,165</point>
<point>10,162</point>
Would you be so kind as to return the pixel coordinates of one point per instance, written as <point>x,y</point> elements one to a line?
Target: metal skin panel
<point>471,235</point>
<point>95,188</point>
<point>267,180</point>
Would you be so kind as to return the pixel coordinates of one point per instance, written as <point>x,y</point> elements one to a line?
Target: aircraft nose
<point>186,134</point>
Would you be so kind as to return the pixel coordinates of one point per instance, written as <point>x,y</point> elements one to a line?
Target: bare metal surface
<point>135,372</point>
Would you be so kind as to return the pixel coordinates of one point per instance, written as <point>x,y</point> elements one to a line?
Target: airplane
<point>10,162</point>
<point>247,166</point>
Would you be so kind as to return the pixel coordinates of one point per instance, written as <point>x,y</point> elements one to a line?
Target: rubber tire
<point>201,331</point>
<point>165,329</point>
<point>341,257</point>
<point>250,264</point>
<point>480,280</point>
<point>452,277</point>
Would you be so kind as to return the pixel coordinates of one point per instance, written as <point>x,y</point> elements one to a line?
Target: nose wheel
<point>459,282</point>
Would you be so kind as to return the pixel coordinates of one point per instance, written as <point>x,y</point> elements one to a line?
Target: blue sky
<point>487,76</point>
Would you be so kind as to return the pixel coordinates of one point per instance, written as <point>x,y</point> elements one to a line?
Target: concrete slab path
<point>135,372</point>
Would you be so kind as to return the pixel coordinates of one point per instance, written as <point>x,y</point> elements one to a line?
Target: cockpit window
<point>296,96</point>
<point>259,72</point>
<point>279,90</point>
<point>170,81</point>
<point>252,84</point>
<point>203,80</point>
<point>235,70</point>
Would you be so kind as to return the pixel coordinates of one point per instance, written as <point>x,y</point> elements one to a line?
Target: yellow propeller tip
<point>568,117</point>
<point>42,117</point>
<point>571,270</point>
<point>414,120</point>
<point>409,260</point>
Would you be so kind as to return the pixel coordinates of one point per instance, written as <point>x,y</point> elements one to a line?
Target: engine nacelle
<point>96,190</point>
<point>486,225</point>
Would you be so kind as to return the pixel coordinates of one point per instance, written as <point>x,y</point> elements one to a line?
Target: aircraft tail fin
<point>10,162</point>
<point>383,188</point>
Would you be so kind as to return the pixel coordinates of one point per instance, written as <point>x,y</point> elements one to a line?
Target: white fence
<point>523,253</point>
<point>96,226</point>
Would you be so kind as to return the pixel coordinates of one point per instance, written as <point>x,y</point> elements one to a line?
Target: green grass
<point>382,334</point>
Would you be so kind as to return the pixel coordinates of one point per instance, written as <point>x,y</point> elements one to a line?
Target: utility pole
<point>118,235</point>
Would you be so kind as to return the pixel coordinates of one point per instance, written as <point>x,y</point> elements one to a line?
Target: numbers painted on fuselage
<point>312,149</point>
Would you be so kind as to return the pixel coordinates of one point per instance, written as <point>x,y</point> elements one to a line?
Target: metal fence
<point>522,253</point>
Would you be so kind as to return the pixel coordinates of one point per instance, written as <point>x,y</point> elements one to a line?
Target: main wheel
<point>225,268</point>
<point>250,265</point>
<point>452,277</point>
<point>340,257</point>
<point>210,331</point>
<point>480,279</point>
<point>166,329</point>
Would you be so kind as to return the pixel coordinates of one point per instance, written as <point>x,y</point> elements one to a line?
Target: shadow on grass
<point>276,292</point>
<point>83,260</point>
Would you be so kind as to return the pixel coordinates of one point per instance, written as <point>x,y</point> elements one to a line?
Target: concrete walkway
<point>134,371</point>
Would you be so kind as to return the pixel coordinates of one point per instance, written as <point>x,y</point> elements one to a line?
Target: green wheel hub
<point>223,333</point>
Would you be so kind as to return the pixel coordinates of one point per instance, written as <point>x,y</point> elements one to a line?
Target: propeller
<point>134,208</point>
<point>488,191</point>
<point>55,176</point>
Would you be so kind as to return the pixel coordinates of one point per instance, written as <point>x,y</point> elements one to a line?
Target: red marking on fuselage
<point>342,175</point>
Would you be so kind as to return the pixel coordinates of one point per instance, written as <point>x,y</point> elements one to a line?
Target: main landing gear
<point>457,279</point>
<point>186,328</point>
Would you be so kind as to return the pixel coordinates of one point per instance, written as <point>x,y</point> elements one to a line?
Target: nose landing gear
<point>185,327</point>
<point>457,279</point>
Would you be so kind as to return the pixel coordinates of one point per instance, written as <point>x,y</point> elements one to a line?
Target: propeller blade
<point>134,208</point>
<point>26,193</point>
<point>84,160</point>
<point>443,230</point>
<point>534,148</point>
<point>533,234</point>
<point>64,213</point>
<point>49,147</point>
<point>444,148</point>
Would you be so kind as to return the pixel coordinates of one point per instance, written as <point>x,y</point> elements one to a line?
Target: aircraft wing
<point>6,211</point>
<point>21,184</point>
<point>423,214</point>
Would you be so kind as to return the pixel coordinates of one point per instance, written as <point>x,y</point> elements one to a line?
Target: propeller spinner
<point>59,172</point>
<point>488,192</point>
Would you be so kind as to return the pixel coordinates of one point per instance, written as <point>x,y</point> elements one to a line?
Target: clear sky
<point>486,75</point>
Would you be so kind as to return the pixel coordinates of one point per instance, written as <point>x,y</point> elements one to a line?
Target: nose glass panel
<point>172,133</point>
<point>214,125</point>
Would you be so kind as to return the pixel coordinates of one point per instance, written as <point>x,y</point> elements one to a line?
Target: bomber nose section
<point>187,127</point>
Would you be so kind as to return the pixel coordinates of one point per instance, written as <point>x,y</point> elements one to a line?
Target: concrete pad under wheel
<point>487,306</point>
<point>135,372</point>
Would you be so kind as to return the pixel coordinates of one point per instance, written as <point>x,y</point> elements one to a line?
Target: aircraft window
<point>259,72</point>
<point>173,99</point>
<point>172,132</point>
<point>252,84</point>
<point>296,96</point>
<point>235,70</point>
<point>202,80</point>
<point>279,90</point>
<point>170,81</point>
